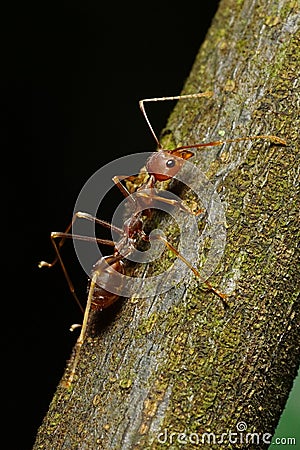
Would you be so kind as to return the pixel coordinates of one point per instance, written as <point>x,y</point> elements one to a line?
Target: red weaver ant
<point>161,166</point>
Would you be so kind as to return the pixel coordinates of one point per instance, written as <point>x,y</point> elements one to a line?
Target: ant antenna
<point>161,99</point>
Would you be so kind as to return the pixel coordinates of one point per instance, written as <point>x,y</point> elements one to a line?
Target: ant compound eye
<point>170,163</point>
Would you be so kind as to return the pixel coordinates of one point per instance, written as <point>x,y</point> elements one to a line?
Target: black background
<point>71,79</point>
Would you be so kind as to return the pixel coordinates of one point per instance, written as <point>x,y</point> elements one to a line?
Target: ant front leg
<point>146,192</point>
<point>168,201</point>
<point>117,180</point>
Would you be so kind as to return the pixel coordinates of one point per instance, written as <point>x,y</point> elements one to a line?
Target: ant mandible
<point>162,165</point>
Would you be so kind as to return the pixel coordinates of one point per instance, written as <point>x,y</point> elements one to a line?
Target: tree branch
<point>180,362</point>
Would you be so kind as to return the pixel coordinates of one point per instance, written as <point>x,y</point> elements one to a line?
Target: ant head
<point>164,164</point>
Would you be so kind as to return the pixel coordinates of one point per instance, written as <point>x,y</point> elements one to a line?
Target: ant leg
<point>195,271</point>
<point>78,215</point>
<point>59,235</point>
<point>61,243</point>
<point>58,258</point>
<point>169,202</point>
<point>103,223</point>
<point>83,330</point>
<point>63,236</point>
<point>148,196</point>
<point>159,99</point>
<point>123,189</point>
<point>87,310</point>
<point>66,235</point>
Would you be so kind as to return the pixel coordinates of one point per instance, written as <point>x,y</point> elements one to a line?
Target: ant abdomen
<point>105,296</point>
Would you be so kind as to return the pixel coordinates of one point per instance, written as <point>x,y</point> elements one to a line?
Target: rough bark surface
<point>161,372</point>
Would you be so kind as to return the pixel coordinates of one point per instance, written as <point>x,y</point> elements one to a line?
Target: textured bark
<point>181,362</point>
